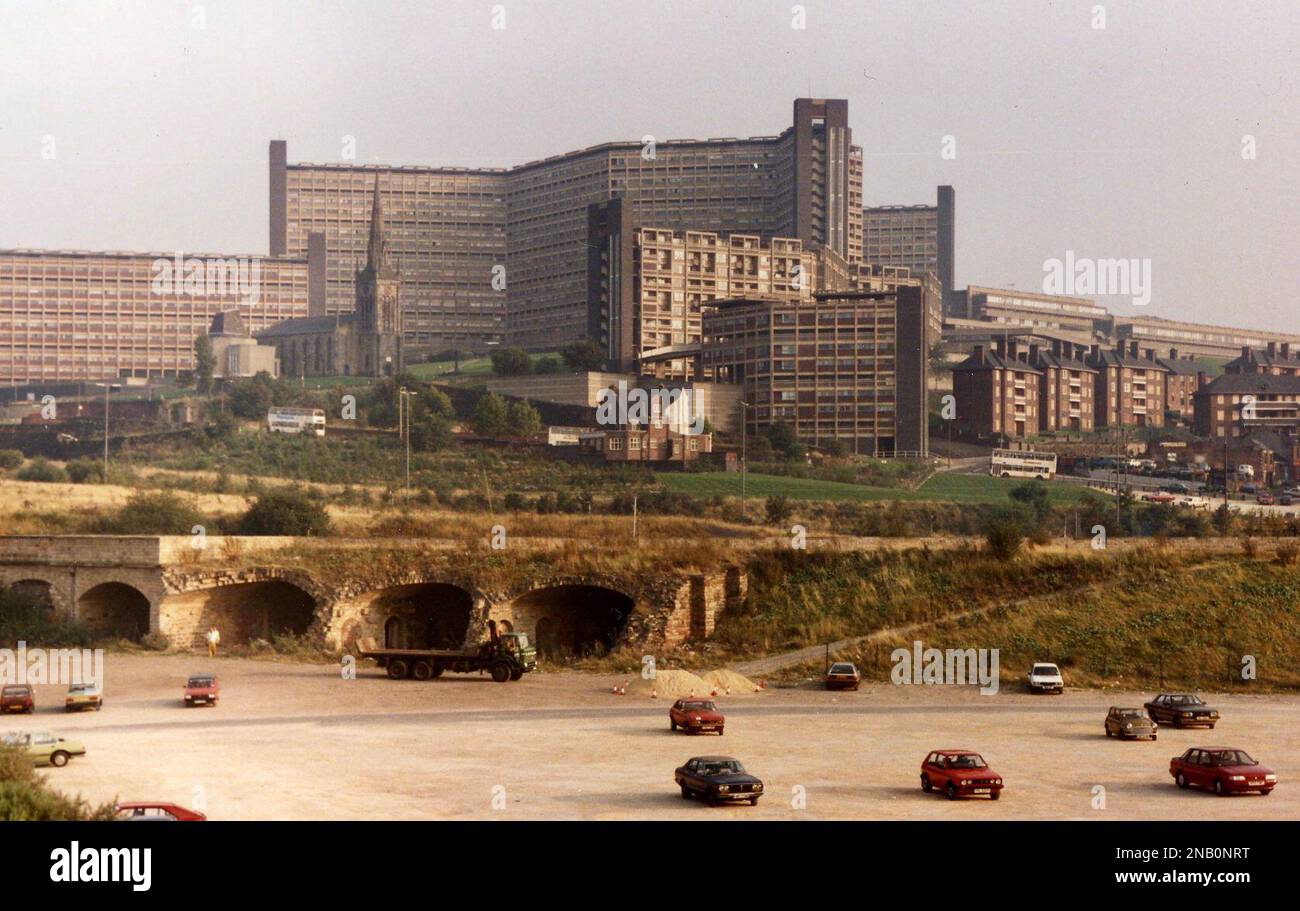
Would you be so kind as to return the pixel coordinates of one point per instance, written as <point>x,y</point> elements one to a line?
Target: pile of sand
<point>678,684</point>
<point>724,680</point>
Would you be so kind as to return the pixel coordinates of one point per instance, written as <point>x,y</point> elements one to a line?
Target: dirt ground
<point>294,741</point>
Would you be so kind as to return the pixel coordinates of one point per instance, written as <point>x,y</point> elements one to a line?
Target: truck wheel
<point>397,669</point>
<point>421,670</point>
<point>517,674</point>
<point>501,672</point>
<point>58,759</point>
<point>435,670</point>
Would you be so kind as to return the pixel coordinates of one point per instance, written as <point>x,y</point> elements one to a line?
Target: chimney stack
<point>1272,349</point>
<point>1173,354</point>
<point>1133,347</point>
<point>1286,351</point>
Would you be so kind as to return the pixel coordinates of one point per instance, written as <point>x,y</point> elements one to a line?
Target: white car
<point>1046,678</point>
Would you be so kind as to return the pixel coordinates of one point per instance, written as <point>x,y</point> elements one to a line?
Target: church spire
<point>377,253</point>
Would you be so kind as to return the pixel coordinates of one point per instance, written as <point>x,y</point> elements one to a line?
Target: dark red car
<point>1223,770</point>
<point>144,811</point>
<point>695,716</point>
<point>17,697</point>
<point>959,773</point>
<point>202,689</point>
<point>843,676</point>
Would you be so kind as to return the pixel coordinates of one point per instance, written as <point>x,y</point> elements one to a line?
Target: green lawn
<point>944,487</point>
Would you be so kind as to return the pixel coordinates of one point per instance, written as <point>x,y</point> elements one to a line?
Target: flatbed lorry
<point>507,656</point>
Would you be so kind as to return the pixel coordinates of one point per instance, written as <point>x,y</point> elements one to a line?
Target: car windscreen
<point>699,707</point>
<point>14,691</point>
<point>1231,757</point>
<point>200,681</point>
<point>1045,670</point>
<point>967,761</point>
<point>722,768</point>
<point>841,669</point>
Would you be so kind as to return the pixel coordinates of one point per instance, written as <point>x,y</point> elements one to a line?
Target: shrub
<point>150,513</point>
<point>10,458</point>
<point>25,797</point>
<point>778,510</point>
<point>1004,537</point>
<point>42,469</point>
<point>26,618</point>
<point>1287,553</point>
<point>82,471</point>
<point>511,362</point>
<point>491,416</point>
<point>285,512</point>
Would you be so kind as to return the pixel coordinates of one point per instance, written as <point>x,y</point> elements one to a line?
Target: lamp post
<point>108,387</point>
<point>744,439</point>
<point>404,428</point>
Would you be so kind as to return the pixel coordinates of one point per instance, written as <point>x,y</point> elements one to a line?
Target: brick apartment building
<point>1066,389</point>
<point>1130,386</point>
<point>1181,383</point>
<point>656,445</point>
<point>1274,359</point>
<point>847,365</point>
<point>997,392</point>
<point>456,230</point>
<point>80,315</point>
<point>1236,404</point>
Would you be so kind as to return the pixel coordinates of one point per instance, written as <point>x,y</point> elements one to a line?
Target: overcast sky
<point>144,125</point>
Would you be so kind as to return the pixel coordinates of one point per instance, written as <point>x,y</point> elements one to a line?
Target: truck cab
<point>517,645</point>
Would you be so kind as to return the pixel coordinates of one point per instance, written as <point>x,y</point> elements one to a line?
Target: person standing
<point>214,639</point>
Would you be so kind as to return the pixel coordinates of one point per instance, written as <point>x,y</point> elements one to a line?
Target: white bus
<point>296,420</point>
<point>1014,463</point>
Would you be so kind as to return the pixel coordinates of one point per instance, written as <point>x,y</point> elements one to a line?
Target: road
<point>293,741</point>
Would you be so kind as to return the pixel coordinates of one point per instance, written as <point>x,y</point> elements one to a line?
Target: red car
<point>1223,770</point>
<point>959,773</point>
<point>202,689</point>
<point>695,716</point>
<point>17,697</point>
<point>157,812</point>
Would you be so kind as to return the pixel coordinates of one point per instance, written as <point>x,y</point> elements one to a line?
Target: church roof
<point>305,325</point>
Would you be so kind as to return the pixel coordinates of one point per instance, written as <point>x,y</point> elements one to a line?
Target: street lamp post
<point>108,387</point>
<point>744,437</point>
<point>404,429</point>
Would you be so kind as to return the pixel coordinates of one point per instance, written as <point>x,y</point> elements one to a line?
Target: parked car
<point>83,696</point>
<point>1285,500</point>
<point>1248,488</point>
<point>695,716</point>
<point>1292,491</point>
<point>144,811</point>
<point>202,689</point>
<point>1181,710</point>
<point>45,748</point>
<point>1129,724</point>
<point>1265,499</point>
<point>1158,497</point>
<point>959,773</point>
<point>1224,770</point>
<point>17,697</point>
<point>718,779</point>
<point>1046,678</point>
<point>843,676</point>
<point>1176,487</point>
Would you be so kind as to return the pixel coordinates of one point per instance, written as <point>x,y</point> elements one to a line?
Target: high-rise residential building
<point>486,254</point>
<point>846,365</point>
<point>921,238</point>
<point>648,287</point>
<point>80,315</point>
<point>1195,339</point>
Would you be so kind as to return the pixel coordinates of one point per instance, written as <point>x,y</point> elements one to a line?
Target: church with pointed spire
<point>365,342</point>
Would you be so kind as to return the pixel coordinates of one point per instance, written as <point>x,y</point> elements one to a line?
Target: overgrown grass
<point>26,797</point>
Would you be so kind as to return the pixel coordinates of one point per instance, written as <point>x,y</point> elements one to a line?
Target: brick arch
<point>256,603</point>
<point>115,608</point>
<point>432,608</point>
<point>567,616</point>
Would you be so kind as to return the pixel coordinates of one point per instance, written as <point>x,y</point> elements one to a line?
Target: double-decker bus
<point>296,420</point>
<point>1016,463</point>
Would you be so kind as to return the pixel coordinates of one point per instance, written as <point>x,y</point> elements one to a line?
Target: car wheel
<point>1181,780</point>
<point>951,791</point>
<point>1218,787</point>
<point>686,793</point>
<point>719,732</point>
<point>753,801</point>
<point>925,784</point>
<point>31,710</point>
<point>398,669</point>
<point>100,707</point>
<point>672,725</point>
<point>501,672</point>
<point>1108,734</point>
<point>67,709</point>
<point>58,759</point>
<point>994,795</point>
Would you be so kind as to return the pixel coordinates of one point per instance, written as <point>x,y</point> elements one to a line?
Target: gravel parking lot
<point>293,741</point>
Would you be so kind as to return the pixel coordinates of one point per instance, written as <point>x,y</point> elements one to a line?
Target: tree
<point>550,364</point>
<point>150,513</point>
<point>778,509</point>
<point>436,402</point>
<point>431,433</point>
<point>251,398</point>
<point>1034,495</point>
<point>511,362</point>
<point>1004,536</point>
<point>491,416</point>
<point>205,364</point>
<point>783,439</point>
<point>286,512</point>
<point>585,356</point>
<point>522,419</point>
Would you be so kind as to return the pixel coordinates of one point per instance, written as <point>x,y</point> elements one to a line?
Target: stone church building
<point>366,342</point>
